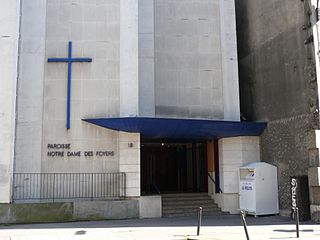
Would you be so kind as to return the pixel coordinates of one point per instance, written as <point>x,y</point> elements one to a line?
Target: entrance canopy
<point>173,128</point>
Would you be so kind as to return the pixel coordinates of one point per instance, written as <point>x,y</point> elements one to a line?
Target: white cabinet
<point>258,189</point>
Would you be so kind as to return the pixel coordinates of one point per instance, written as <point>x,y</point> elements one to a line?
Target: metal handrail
<point>63,186</point>
<point>219,189</point>
<point>156,188</point>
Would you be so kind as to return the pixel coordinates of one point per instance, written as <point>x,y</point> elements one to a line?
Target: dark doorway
<point>171,167</point>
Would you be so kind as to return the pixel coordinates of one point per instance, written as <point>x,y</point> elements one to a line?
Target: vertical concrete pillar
<point>233,153</point>
<point>129,82</point>
<point>30,86</point>
<point>9,39</point>
<point>129,161</point>
<point>146,58</point>
<point>129,143</point>
<point>229,61</point>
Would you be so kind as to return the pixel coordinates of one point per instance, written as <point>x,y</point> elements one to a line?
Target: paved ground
<point>222,227</point>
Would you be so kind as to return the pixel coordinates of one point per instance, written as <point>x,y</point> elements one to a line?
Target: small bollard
<point>199,220</point>
<point>296,210</point>
<point>244,223</point>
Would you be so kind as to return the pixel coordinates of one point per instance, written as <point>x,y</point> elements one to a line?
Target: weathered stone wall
<point>289,144</point>
<point>277,68</point>
<point>278,83</point>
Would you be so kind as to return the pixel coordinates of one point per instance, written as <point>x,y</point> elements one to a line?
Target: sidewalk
<point>214,227</point>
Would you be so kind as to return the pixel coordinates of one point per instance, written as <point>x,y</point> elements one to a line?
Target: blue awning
<point>172,128</point>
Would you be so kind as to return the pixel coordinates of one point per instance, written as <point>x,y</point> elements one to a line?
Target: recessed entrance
<point>173,167</point>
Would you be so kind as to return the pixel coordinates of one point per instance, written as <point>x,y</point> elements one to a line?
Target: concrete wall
<point>278,83</point>
<point>163,58</point>
<point>107,32</point>
<point>9,37</point>
<point>233,153</point>
<point>30,86</point>
<point>145,207</point>
<point>150,206</point>
<point>146,58</point>
<point>129,62</point>
<point>229,60</point>
<point>129,144</point>
<point>98,210</point>
<point>72,211</point>
<point>188,67</point>
<point>94,29</point>
<point>129,161</point>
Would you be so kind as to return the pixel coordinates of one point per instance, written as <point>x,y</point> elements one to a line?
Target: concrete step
<point>195,214</point>
<point>173,195</point>
<point>191,202</point>
<point>208,205</point>
<point>187,198</point>
<point>187,204</point>
<point>190,214</point>
<point>191,210</point>
<point>174,198</point>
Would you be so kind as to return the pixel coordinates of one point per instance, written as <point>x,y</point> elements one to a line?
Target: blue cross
<point>69,60</point>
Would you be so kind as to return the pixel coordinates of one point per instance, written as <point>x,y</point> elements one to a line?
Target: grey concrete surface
<point>94,29</point>
<point>146,58</point>
<point>9,32</point>
<point>30,86</point>
<point>68,211</point>
<point>222,227</point>
<point>188,70</point>
<point>150,206</point>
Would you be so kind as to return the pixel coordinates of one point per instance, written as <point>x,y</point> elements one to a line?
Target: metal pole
<point>297,221</point>
<point>244,223</point>
<point>91,186</point>
<point>199,220</point>
<point>54,185</point>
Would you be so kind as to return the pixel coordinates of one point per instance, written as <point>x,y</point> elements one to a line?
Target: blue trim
<point>58,59</point>
<point>166,128</point>
<point>81,59</point>
<point>69,60</point>
<point>69,83</point>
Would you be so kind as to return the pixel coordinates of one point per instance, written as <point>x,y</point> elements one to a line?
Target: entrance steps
<point>187,204</point>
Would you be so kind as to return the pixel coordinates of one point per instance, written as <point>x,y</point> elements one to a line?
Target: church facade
<point>91,89</point>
